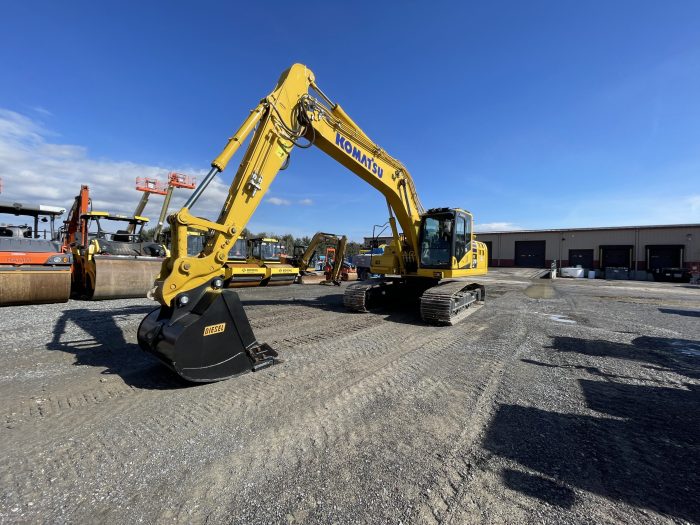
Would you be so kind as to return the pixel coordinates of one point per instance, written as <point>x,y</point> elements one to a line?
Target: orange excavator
<point>34,269</point>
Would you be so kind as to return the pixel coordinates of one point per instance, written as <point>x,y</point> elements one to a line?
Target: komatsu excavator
<point>201,330</point>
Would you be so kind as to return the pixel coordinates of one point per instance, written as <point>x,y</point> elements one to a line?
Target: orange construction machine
<point>34,269</point>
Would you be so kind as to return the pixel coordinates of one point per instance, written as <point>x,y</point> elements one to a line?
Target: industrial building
<point>633,251</point>
<point>637,249</point>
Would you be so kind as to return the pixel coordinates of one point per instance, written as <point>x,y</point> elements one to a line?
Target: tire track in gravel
<point>336,421</point>
<point>186,416</point>
<point>448,483</point>
<point>306,331</point>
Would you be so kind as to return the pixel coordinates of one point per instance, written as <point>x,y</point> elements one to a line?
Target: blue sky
<point>530,114</point>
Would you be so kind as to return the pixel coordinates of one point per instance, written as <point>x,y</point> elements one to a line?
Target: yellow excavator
<point>200,329</point>
<point>333,273</point>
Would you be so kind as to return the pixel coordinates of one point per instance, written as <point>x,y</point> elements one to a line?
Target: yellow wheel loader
<point>200,329</point>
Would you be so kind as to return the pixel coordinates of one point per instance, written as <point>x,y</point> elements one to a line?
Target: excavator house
<point>200,329</point>
<point>33,267</point>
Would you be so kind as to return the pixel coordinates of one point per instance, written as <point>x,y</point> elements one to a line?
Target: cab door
<point>462,242</point>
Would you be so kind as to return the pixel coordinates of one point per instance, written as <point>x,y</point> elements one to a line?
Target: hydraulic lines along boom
<point>200,329</point>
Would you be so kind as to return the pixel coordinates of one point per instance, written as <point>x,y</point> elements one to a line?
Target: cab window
<point>460,238</point>
<point>436,241</point>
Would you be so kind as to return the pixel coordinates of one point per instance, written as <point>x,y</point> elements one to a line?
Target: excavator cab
<point>446,240</point>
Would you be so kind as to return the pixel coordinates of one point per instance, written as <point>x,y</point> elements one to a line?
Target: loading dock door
<point>489,244</point>
<point>616,256</point>
<point>529,254</point>
<point>581,257</point>
<point>664,256</point>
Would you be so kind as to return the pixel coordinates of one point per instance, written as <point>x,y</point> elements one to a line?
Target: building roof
<point>597,228</point>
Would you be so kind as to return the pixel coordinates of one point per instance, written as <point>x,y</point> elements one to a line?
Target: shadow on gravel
<point>681,356</point>
<point>107,348</point>
<point>329,303</point>
<point>593,370</point>
<point>539,487</point>
<point>405,313</point>
<point>688,313</point>
<point>647,457</point>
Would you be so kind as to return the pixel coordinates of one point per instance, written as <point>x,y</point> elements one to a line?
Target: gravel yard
<point>564,401</point>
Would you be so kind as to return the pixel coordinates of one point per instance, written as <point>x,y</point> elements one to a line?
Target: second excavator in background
<point>334,266</point>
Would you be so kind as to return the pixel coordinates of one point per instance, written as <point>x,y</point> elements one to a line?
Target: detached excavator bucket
<point>206,339</point>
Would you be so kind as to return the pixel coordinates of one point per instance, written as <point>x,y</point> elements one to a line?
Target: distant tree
<point>287,240</point>
<point>352,248</point>
<point>148,233</point>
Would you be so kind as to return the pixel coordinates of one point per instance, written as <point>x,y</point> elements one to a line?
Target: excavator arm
<point>286,118</point>
<point>72,227</point>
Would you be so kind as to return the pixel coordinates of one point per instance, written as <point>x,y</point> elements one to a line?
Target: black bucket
<point>207,339</point>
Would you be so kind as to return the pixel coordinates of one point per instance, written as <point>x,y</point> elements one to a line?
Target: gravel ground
<point>565,401</point>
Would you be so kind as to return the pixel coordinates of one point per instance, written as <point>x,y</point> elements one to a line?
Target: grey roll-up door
<point>530,254</point>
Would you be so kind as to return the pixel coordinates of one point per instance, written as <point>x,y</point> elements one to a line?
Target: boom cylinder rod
<point>219,163</point>
<point>163,213</point>
<point>202,186</point>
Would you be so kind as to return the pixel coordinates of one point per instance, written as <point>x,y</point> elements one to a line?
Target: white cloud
<point>306,202</point>
<point>486,227</point>
<point>37,170</point>
<point>278,202</point>
<point>42,111</point>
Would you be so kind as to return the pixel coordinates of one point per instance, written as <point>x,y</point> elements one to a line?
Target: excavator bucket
<point>206,338</point>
